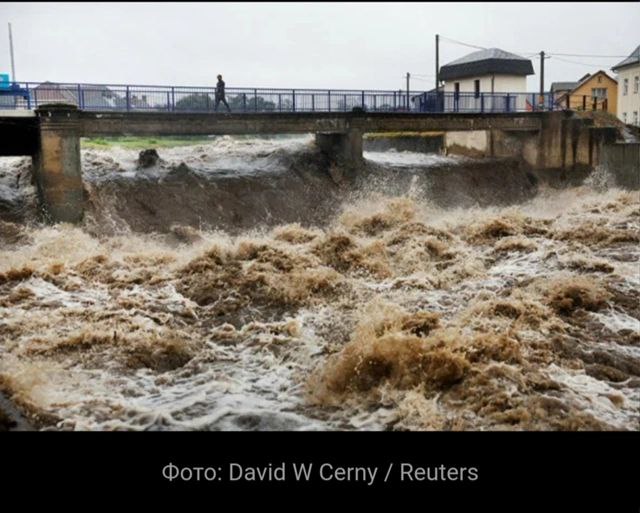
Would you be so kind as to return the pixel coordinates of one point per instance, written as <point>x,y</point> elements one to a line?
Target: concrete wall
<point>470,144</point>
<point>630,102</point>
<point>622,160</point>
<point>564,142</point>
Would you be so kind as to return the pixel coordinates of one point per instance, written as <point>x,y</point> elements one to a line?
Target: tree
<point>237,103</point>
<point>196,101</point>
<point>249,103</point>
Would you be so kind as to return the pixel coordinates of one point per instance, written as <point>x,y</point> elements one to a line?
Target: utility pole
<point>408,77</point>
<point>437,62</point>
<point>13,66</point>
<point>542,79</point>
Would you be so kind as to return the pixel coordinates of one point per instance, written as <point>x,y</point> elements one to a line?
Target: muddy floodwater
<point>240,285</point>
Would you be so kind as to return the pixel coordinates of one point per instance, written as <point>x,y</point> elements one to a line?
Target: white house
<point>629,88</point>
<point>487,80</point>
<point>482,74</point>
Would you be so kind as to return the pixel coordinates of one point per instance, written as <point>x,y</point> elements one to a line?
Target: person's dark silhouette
<point>220,97</point>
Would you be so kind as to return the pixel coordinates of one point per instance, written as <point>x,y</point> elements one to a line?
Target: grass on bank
<point>142,143</point>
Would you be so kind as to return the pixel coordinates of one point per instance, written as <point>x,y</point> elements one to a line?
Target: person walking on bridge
<point>220,97</point>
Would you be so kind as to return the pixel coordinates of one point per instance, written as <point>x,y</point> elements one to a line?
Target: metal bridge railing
<point>130,98</point>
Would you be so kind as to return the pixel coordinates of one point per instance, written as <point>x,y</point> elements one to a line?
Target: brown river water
<point>246,290</point>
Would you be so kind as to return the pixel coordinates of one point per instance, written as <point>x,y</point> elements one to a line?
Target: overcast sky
<point>323,45</point>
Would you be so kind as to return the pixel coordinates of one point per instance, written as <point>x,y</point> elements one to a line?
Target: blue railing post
<point>508,98</point>
<point>80,106</point>
<point>481,102</point>
<point>128,100</point>
<point>293,99</point>
<point>329,100</point>
<point>28,98</point>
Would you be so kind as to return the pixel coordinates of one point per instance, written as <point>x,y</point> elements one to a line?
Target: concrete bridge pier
<point>342,147</point>
<point>56,164</point>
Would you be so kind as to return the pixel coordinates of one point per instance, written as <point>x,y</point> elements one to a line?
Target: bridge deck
<point>153,123</point>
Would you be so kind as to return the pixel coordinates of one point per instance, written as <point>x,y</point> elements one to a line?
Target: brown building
<point>592,92</point>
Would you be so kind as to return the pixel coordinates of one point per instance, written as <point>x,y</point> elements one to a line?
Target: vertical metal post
<point>437,62</point>
<point>313,102</point>
<point>345,103</point>
<point>329,100</point>
<point>375,107</point>
<point>244,102</point>
<point>408,77</point>
<point>508,106</point>
<point>13,65</point>
<point>168,101</point>
<point>394,101</point>
<point>255,100</point>
<point>280,102</point>
<point>28,97</point>
<point>481,102</point>
<point>293,99</point>
<point>128,100</point>
<point>542,78</point>
<point>362,100</point>
<point>173,99</point>
<point>80,106</point>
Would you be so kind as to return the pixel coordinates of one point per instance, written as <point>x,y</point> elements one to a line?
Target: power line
<point>590,65</point>
<point>585,55</point>
<point>532,54</point>
<point>463,44</point>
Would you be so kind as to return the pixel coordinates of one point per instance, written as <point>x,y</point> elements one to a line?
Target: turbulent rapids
<point>240,284</point>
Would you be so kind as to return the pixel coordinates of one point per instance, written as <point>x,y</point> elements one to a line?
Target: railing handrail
<point>213,87</point>
<point>283,89</point>
<point>117,97</point>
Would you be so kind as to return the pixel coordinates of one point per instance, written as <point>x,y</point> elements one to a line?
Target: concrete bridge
<point>51,136</point>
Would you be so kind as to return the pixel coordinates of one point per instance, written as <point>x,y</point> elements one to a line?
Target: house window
<point>599,92</point>
<point>625,87</point>
<point>636,84</point>
<point>476,88</point>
